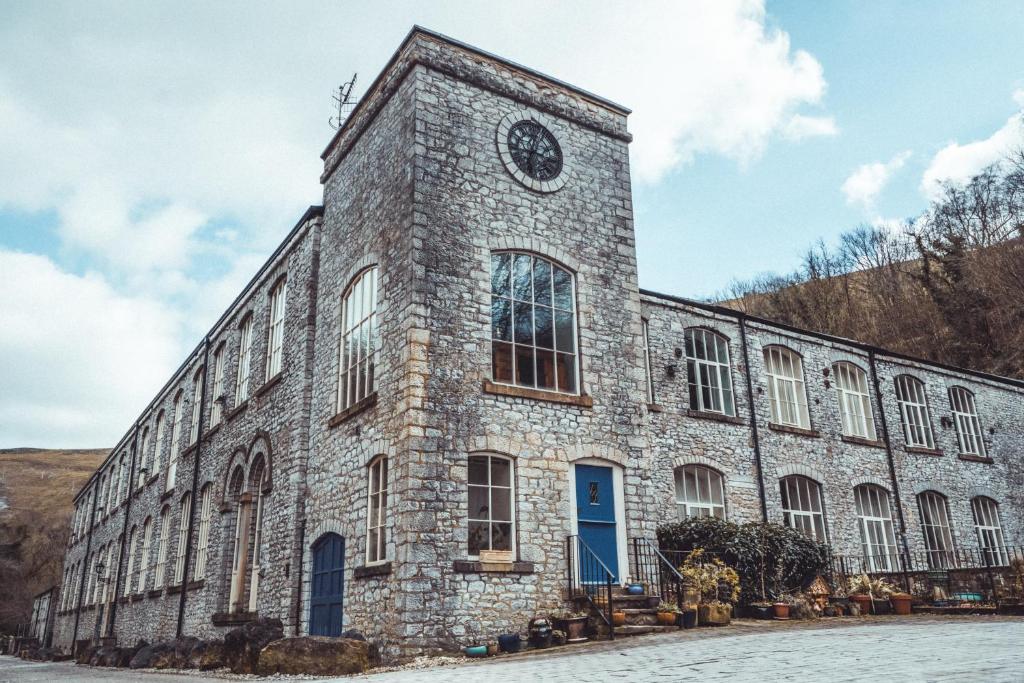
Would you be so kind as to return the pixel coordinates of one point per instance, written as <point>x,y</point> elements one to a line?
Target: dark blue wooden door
<point>327,592</point>
<point>595,517</point>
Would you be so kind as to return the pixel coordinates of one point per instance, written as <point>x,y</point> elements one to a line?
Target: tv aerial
<point>344,102</point>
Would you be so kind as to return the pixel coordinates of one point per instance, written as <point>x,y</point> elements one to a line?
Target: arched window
<point>202,549</point>
<point>700,492</point>
<point>874,519</point>
<point>786,393</point>
<point>247,493</point>
<point>491,496</point>
<point>197,399</point>
<point>990,530</point>
<point>938,537</point>
<point>244,358</point>
<point>162,542</point>
<point>217,396</point>
<point>179,562</point>
<point>968,426</point>
<point>144,561</point>
<point>802,507</point>
<point>130,569</point>
<point>377,512</point>
<point>913,403</point>
<point>533,323</point>
<point>123,485</point>
<point>275,335</point>
<point>158,446</point>
<point>854,401</point>
<point>257,474</point>
<point>708,372</point>
<point>172,458</point>
<point>360,345</point>
<point>239,555</point>
<point>144,458</point>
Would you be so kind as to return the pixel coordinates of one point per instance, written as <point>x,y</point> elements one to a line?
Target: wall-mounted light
<point>670,369</point>
<point>679,352</point>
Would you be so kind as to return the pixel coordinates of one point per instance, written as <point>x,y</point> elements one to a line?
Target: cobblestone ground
<point>903,650</point>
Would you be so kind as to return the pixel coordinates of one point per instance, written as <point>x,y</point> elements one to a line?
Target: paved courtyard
<point>903,650</point>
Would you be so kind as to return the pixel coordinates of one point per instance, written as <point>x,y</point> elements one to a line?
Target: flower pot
<point>510,642</point>
<point>667,618</point>
<point>863,602</point>
<point>900,603</point>
<point>635,589</point>
<point>476,651</point>
<point>760,611</point>
<point>881,607</point>
<point>780,610</point>
<point>618,618</point>
<point>714,614</point>
<point>574,629</point>
<point>689,618</point>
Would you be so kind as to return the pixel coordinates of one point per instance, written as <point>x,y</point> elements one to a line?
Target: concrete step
<point>635,630</point>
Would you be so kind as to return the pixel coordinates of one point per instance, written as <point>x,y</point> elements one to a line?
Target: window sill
<point>716,417</point>
<point>195,585</point>
<point>581,400</point>
<point>236,411</point>
<point>921,450</point>
<point>135,597</point>
<point>969,457</point>
<point>655,408</point>
<point>268,385</point>
<point>155,593</point>
<point>189,450</point>
<point>124,600</point>
<point>371,570</point>
<point>799,431</point>
<point>477,567</point>
<point>233,618</point>
<point>166,495</point>
<point>861,441</point>
<point>211,431</point>
<point>174,590</point>
<point>359,406</point>
<point>152,479</point>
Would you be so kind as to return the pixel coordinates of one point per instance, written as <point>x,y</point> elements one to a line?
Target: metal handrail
<point>663,576</point>
<point>593,562</point>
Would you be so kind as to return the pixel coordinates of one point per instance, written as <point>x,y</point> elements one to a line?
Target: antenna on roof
<point>344,102</point>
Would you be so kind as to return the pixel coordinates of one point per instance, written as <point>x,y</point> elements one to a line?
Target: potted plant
<point>780,609</point>
<point>859,590</point>
<point>761,610</point>
<point>900,603</point>
<point>573,623</point>
<point>668,614</point>
<point>618,618</point>
<point>634,588</point>
<point>717,584</point>
<point>689,615</point>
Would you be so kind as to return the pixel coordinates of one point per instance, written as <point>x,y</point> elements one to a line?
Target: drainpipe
<point>888,454</point>
<point>124,531</point>
<point>195,486</point>
<point>298,598</point>
<point>85,568</point>
<point>753,418</point>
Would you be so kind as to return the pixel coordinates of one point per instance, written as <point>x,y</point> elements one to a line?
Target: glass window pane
<point>522,280</point>
<point>523,314</point>
<point>478,505</point>
<point>479,537</point>
<point>545,369</point>
<point>566,373</point>
<point>501,274</point>
<point>501,536</point>
<point>478,470</point>
<point>501,356</point>
<point>564,336</point>
<point>563,289</point>
<point>501,504</point>
<point>500,472</point>
<point>544,327</point>
<point>501,319</point>
<point>542,282</point>
<point>524,365</point>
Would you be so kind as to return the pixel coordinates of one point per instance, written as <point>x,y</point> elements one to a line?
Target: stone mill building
<point>448,371</point>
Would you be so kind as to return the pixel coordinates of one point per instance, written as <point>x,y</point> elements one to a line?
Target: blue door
<point>327,592</point>
<point>595,517</point>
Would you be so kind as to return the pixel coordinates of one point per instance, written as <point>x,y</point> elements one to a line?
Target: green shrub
<point>771,559</point>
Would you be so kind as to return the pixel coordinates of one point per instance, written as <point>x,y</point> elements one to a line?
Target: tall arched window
<point>913,403</point>
<point>257,474</point>
<point>172,458</point>
<point>990,530</point>
<point>708,372</point>
<point>377,512</point>
<point>275,334</point>
<point>239,555</point>
<point>144,458</point>
<point>533,323</point>
<point>700,492</point>
<point>197,399</point>
<point>217,395</point>
<point>158,446</point>
<point>854,400</point>
<point>491,496</point>
<point>146,558</point>
<point>968,426</point>
<point>129,572</point>
<point>247,493</point>
<point>786,393</point>
<point>938,537</point>
<point>244,359</point>
<point>874,519</point>
<point>205,514</point>
<point>162,543</point>
<point>183,518</point>
<point>802,507</point>
<point>359,349</point>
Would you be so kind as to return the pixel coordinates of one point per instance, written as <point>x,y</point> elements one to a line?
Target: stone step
<point>636,630</point>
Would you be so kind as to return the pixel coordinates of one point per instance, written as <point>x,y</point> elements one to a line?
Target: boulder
<point>105,656</point>
<point>242,645</point>
<point>207,655</point>
<point>124,656</point>
<point>314,655</point>
<point>84,654</point>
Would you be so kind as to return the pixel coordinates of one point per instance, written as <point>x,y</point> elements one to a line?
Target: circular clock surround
<point>531,152</point>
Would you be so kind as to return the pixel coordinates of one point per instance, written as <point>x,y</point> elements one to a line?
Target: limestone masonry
<point>447,375</point>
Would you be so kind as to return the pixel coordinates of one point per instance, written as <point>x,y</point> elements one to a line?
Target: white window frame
<point>162,543</point>
<point>855,411</point>
<point>172,458</point>
<point>800,496</point>
<point>185,509</point>
<point>217,406</point>
<point>969,434</point>
<point>989,527</point>
<point>359,340</point>
<point>877,535</point>
<point>491,521</point>
<point>143,457</point>
<point>648,370</point>
<point>696,497</point>
<point>787,394</point>
<point>275,332</point>
<point>912,400</point>
<point>244,361</point>
<point>128,572</point>
<point>158,446</point>
<point>709,374</point>
<point>940,548</point>
<point>564,350</point>
<point>197,399</point>
<point>205,515</point>
<point>147,541</point>
<point>377,512</point>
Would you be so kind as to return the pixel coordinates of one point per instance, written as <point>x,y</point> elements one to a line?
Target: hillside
<point>36,491</point>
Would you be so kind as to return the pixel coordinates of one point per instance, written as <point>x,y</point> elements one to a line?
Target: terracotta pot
<point>574,629</point>
<point>862,601</point>
<point>900,603</point>
<point>667,618</point>
<point>618,618</point>
<point>781,610</point>
<point>714,615</point>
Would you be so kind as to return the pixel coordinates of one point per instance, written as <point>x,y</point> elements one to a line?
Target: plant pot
<point>862,601</point>
<point>881,607</point>
<point>689,618</point>
<point>709,614</point>
<point>900,603</point>
<point>618,618</point>
<point>760,611</point>
<point>780,610</point>
<point>667,618</point>
<point>574,629</point>
<point>635,589</point>
<point>510,642</point>
<point>475,651</point>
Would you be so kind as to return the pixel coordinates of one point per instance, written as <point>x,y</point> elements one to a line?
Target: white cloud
<point>867,181</point>
<point>79,361</point>
<point>800,127</point>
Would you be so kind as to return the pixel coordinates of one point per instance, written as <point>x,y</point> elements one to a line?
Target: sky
<point>152,155</point>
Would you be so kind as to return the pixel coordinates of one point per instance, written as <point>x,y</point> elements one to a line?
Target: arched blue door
<point>327,592</point>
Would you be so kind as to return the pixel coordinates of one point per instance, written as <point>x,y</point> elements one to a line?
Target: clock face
<point>535,150</point>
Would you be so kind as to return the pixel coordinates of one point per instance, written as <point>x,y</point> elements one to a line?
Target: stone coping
<point>477,567</point>
<point>356,408</point>
<point>799,431</point>
<point>581,400</point>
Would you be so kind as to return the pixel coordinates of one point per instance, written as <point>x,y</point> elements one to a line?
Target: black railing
<point>658,573</point>
<point>589,579</point>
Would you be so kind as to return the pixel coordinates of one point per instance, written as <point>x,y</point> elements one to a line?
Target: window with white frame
<point>786,393</point>
<point>172,459</point>
<point>874,520</point>
<point>377,508</point>
<point>533,323</point>
<point>179,561</point>
<point>111,501</point>
<point>275,335</point>
<point>802,507</point>
<point>990,530</point>
<point>359,346</point>
<point>205,515</point>
<point>938,537</point>
<point>913,404</point>
<point>130,568</point>
<point>968,426</point>
<point>143,457</point>
<point>123,485</point>
<point>158,445</point>
<point>491,495</point>
<point>700,492</point>
<point>218,386</point>
<point>854,401</point>
<point>647,363</point>
<point>197,399</point>
<point>147,540</point>
<point>244,357</point>
<point>161,548</point>
<point>708,372</point>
